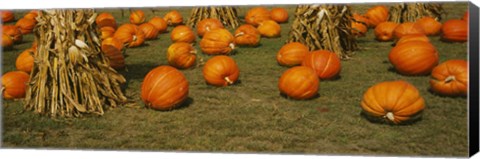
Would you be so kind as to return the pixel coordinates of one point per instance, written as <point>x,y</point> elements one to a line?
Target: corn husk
<point>410,12</point>
<point>227,15</point>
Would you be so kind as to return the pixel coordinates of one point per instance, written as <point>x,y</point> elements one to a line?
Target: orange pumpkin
<point>247,35</point>
<point>25,60</point>
<point>173,18</point>
<point>450,78</point>
<point>257,15</point>
<point>112,48</point>
<point>412,37</point>
<point>279,15</point>
<point>455,30</point>
<point>26,25</point>
<point>106,32</point>
<point>7,41</point>
<point>164,88</point>
<point>14,84</point>
<point>182,33</point>
<point>430,25</point>
<point>376,15</point>
<point>14,33</point>
<point>33,14</point>
<point>269,29</point>
<point>7,16</point>
<point>208,24</point>
<point>220,71</point>
<point>181,55</point>
<point>414,58</point>
<point>299,82</point>
<point>384,31</point>
<point>360,19</point>
<point>137,17</point>
<point>326,64</point>
<point>408,28</point>
<point>159,23</point>
<point>393,101</point>
<point>217,41</point>
<point>358,29</point>
<point>149,30</point>
<point>292,54</point>
<point>130,34</point>
<point>105,19</point>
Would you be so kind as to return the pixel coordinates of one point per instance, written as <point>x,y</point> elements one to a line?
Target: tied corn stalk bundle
<point>326,27</point>
<point>227,15</point>
<point>410,12</point>
<point>71,76</point>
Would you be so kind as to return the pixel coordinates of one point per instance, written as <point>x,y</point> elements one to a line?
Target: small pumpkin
<point>384,31</point>
<point>7,41</point>
<point>33,14</point>
<point>164,88</point>
<point>299,82</point>
<point>360,19</point>
<point>326,64</point>
<point>106,32</point>
<point>26,25</point>
<point>455,30</point>
<point>247,35</point>
<point>14,33</point>
<point>377,15</point>
<point>105,19</point>
<point>7,16</point>
<point>208,24</point>
<point>408,28</point>
<point>181,55</point>
<point>414,58</point>
<point>24,61</point>
<point>137,17</point>
<point>14,84</point>
<point>450,78</point>
<point>182,33</point>
<point>395,102</point>
<point>130,34</point>
<point>217,42</point>
<point>149,30</point>
<point>412,37</point>
<point>256,15</point>
<point>220,71</point>
<point>159,23</point>
<point>358,29</point>
<point>430,25</point>
<point>292,54</point>
<point>173,18</point>
<point>112,48</point>
<point>279,15</point>
<point>269,29</point>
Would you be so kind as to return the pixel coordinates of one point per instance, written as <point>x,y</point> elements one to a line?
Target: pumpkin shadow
<point>308,99</point>
<point>377,120</point>
<point>430,90</point>
<point>185,104</point>
<point>135,72</point>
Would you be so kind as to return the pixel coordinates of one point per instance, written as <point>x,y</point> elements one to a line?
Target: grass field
<point>251,116</point>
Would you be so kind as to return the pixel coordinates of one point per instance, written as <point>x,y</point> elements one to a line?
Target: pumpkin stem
<point>390,116</point>
<point>2,90</point>
<point>228,80</point>
<point>193,52</point>
<point>449,79</point>
<point>207,28</point>
<point>232,45</point>
<point>239,34</point>
<point>134,38</point>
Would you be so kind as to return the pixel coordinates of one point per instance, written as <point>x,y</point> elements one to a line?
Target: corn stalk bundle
<point>326,27</point>
<point>227,15</point>
<point>410,12</point>
<point>71,76</point>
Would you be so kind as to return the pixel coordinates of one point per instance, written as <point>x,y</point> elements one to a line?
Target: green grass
<point>252,116</point>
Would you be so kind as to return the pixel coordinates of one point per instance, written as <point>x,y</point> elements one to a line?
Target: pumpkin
<point>326,64</point>
<point>14,84</point>
<point>112,48</point>
<point>182,33</point>
<point>149,30</point>
<point>173,18</point>
<point>33,14</point>
<point>7,41</point>
<point>247,35</point>
<point>24,61</point>
<point>159,23</point>
<point>220,71</point>
<point>137,17</point>
<point>181,55</point>
<point>130,34</point>
<point>14,33</point>
<point>164,88</point>
<point>269,29</point>
<point>7,16</point>
<point>384,31</point>
<point>292,54</point>
<point>26,25</point>
<point>465,16</point>
<point>208,24</point>
<point>257,15</point>
<point>279,15</point>
<point>450,78</point>
<point>455,30</point>
<point>105,19</point>
<point>360,19</point>
<point>217,41</point>
<point>358,29</point>
<point>412,37</point>
<point>299,82</point>
<point>414,58</point>
<point>106,32</point>
<point>430,25</point>
<point>376,15</point>
<point>393,101</point>
<point>408,28</point>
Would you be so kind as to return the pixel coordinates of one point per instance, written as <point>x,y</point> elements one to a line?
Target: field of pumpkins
<point>238,83</point>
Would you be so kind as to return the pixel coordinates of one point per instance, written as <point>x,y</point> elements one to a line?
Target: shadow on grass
<point>430,90</point>
<point>379,120</point>
<point>308,99</point>
<point>185,104</point>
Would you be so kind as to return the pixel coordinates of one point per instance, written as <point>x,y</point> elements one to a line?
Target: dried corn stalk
<point>325,27</point>
<point>227,15</point>
<point>410,12</point>
<point>71,76</point>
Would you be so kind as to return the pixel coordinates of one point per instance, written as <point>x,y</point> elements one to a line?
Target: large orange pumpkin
<point>430,25</point>
<point>106,32</point>
<point>220,71</point>
<point>408,28</point>
<point>26,25</point>
<point>393,101</point>
<point>14,33</point>
<point>450,78</point>
<point>137,17</point>
<point>414,58</point>
<point>208,24</point>
<point>7,41</point>
<point>182,33</point>
<point>384,31</point>
<point>164,88</point>
<point>218,41</point>
<point>130,34</point>
<point>181,55</point>
<point>299,82</point>
<point>376,15</point>
<point>247,35</point>
<point>269,29</point>
<point>149,30</point>
<point>112,48</point>
<point>412,37</point>
<point>257,15</point>
<point>14,84</point>
<point>279,15</point>
<point>173,18</point>
<point>7,16</point>
<point>292,54</point>
<point>24,61</point>
<point>106,19</point>
<point>159,23</point>
<point>326,64</point>
<point>455,30</point>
